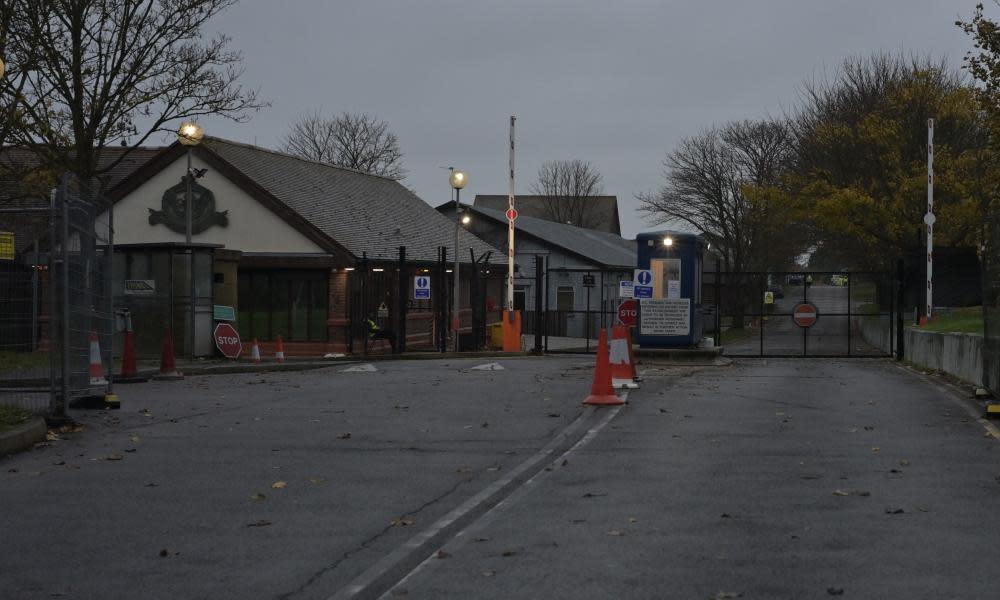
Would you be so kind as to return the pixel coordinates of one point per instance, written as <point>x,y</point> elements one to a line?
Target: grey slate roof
<point>605,249</point>
<point>364,213</point>
<point>604,212</point>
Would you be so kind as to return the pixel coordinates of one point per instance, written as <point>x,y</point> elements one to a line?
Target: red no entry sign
<point>627,312</point>
<point>805,314</point>
<point>511,214</point>
<point>227,340</point>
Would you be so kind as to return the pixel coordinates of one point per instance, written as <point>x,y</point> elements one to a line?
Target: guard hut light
<point>668,241</point>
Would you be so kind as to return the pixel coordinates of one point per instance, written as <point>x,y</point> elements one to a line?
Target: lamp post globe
<point>190,133</point>
<point>457,179</point>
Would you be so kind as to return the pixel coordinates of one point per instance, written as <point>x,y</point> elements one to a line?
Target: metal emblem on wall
<point>203,213</point>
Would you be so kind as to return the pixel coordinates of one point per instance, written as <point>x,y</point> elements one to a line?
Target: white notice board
<point>665,316</point>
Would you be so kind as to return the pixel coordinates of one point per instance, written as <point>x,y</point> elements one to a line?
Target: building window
<point>292,304</point>
<point>519,297</point>
<point>564,298</point>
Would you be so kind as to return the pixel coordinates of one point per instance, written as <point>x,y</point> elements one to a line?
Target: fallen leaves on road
<point>554,415</point>
<point>614,532</point>
<point>165,553</point>
<point>258,496</point>
<point>835,591</point>
<point>509,552</point>
<point>862,493</point>
<point>727,595</point>
<point>260,523</point>
<point>894,511</point>
<point>633,520</point>
<point>279,485</point>
<point>316,480</point>
<point>345,436</point>
<point>876,449</point>
<point>592,495</point>
<point>904,463</point>
<point>114,457</point>
<point>134,438</point>
<point>442,554</point>
<point>489,573</point>
<point>401,522</point>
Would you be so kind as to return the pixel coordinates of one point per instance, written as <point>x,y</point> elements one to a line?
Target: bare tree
<point>87,74</point>
<point>568,189</point>
<point>722,183</point>
<point>356,141</point>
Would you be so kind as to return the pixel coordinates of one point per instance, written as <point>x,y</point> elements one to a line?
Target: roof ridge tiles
<point>298,158</point>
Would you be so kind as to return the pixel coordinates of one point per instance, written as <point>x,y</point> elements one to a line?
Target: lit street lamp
<point>457,179</point>
<point>190,135</point>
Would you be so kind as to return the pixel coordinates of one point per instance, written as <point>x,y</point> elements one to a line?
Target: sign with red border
<point>805,314</point>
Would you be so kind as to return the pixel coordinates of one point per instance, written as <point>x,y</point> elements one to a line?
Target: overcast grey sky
<point>615,83</point>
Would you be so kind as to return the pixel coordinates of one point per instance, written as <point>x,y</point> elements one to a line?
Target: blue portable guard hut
<point>671,263</point>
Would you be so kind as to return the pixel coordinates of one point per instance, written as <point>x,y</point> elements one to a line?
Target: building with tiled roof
<point>282,241</point>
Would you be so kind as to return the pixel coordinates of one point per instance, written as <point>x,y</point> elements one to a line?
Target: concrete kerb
<point>23,436</point>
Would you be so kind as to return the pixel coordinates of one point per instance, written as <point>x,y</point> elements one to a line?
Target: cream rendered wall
<point>252,226</point>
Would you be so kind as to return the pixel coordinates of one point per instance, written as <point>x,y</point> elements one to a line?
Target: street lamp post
<point>190,135</point>
<point>458,181</point>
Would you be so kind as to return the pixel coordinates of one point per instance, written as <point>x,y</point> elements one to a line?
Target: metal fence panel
<point>991,301</point>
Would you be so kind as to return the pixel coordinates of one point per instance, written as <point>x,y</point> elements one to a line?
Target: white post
<point>929,217</point>
<point>510,229</point>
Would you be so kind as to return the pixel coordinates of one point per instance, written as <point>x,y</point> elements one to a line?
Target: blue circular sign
<point>645,277</point>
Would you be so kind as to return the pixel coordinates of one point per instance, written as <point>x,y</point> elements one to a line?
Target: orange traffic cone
<point>601,392</point>
<point>279,350</point>
<point>168,366</point>
<point>621,359</point>
<point>255,351</point>
<point>96,365</point>
<point>130,372</point>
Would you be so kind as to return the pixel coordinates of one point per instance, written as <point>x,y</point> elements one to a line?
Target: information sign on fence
<point>421,287</point>
<point>665,316</point>
<point>625,289</point>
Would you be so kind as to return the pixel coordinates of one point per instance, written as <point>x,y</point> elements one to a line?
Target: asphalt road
<point>766,479</point>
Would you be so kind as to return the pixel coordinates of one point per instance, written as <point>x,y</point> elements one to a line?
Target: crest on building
<point>203,213</point>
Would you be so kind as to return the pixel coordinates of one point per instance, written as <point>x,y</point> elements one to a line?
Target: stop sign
<point>805,314</point>
<point>227,340</point>
<point>628,310</point>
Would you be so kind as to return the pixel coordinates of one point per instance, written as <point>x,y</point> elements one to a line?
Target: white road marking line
<point>365,368</point>
<point>382,566</point>
<point>491,515</point>
<point>487,367</point>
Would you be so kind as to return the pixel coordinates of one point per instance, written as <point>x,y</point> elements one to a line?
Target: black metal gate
<point>802,314</point>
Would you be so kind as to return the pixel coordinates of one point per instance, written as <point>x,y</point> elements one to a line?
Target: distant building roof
<point>603,214</point>
<point>605,249</point>
<point>366,215</point>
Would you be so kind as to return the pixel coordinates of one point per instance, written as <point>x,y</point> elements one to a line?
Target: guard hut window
<point>666,270</point>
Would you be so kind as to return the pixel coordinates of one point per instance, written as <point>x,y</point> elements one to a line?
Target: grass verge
<point>962,320</point>
<point>11,417</point>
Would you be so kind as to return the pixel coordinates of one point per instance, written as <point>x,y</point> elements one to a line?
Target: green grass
<point>11,417</point>
<point>23,361</point>
<point>962,320</point>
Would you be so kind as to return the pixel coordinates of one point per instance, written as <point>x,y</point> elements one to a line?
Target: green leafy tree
<point>859,169</point>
